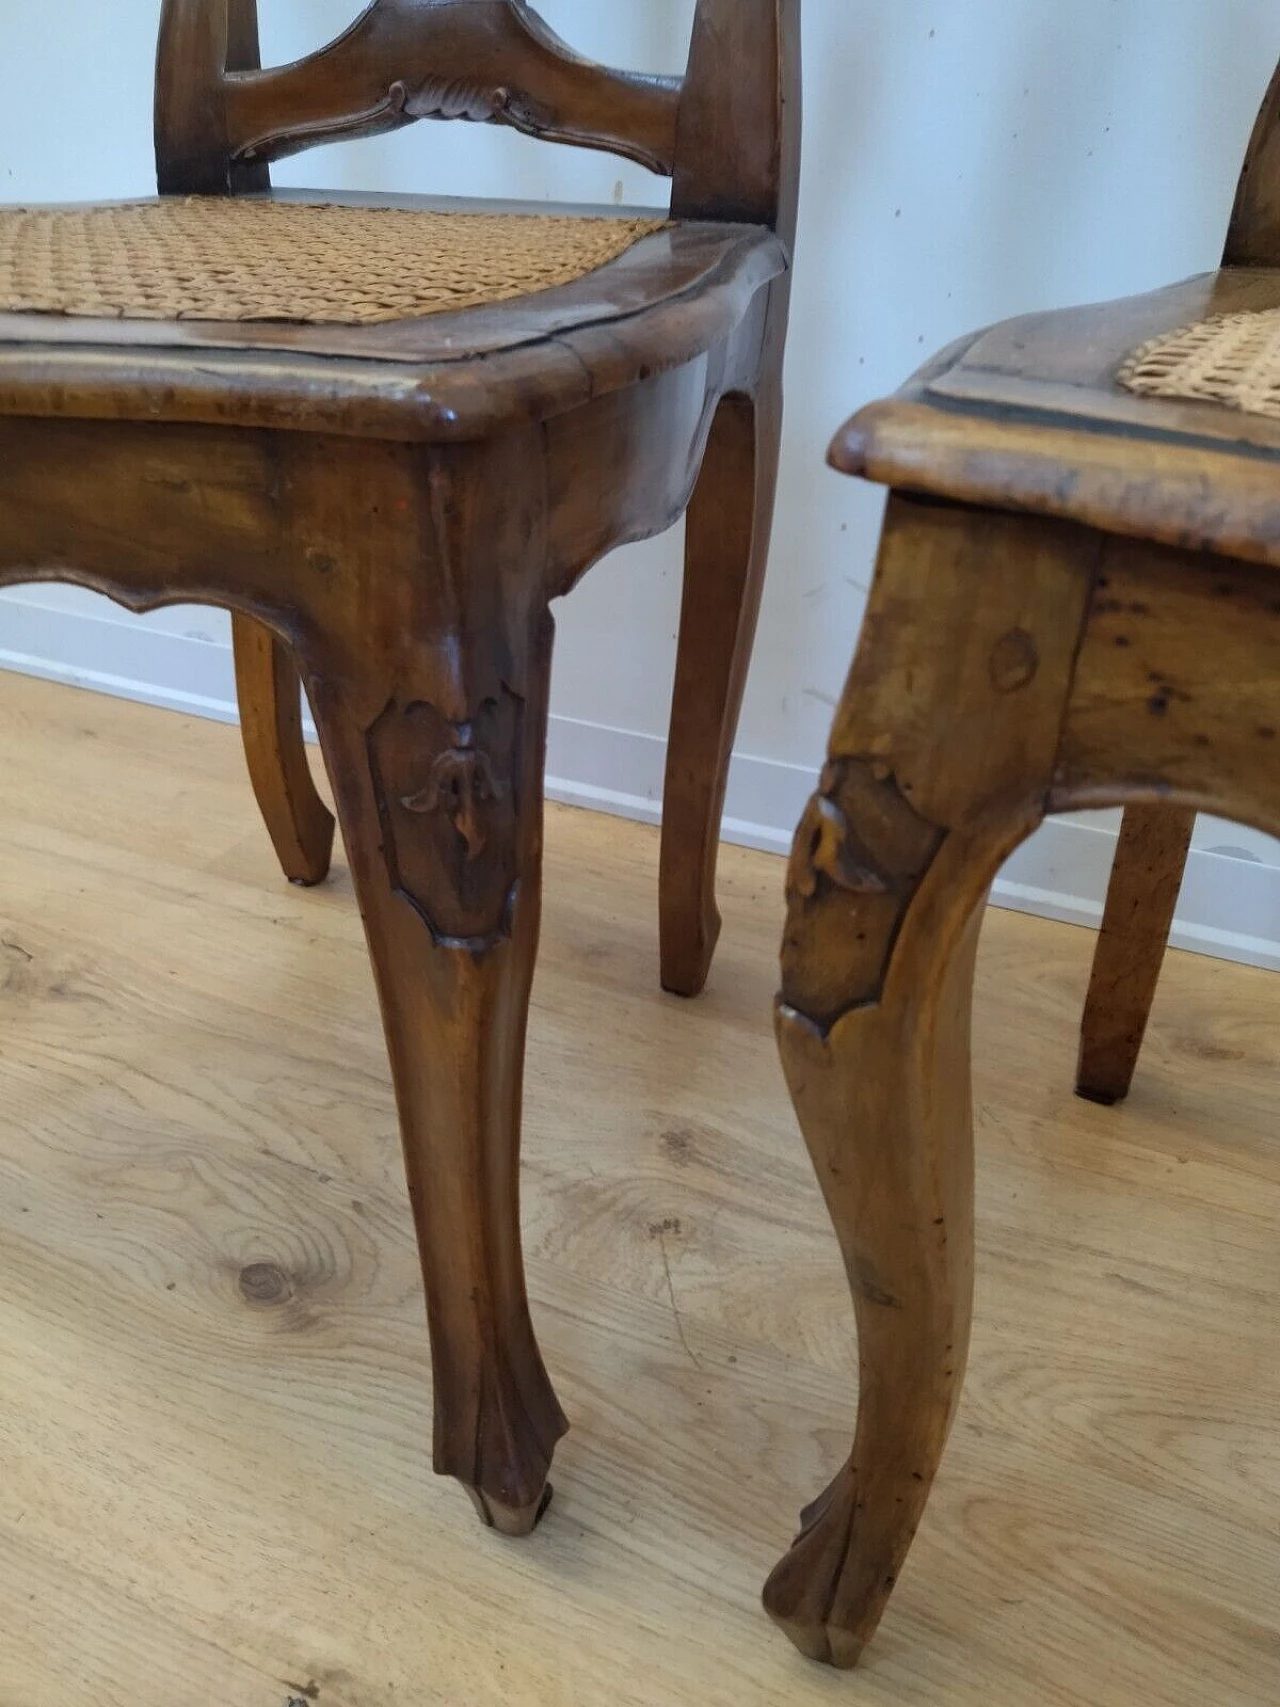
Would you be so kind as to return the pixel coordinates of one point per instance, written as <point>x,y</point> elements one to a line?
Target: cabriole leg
<point>885,1107</point>
<point>442,817</point>
<point>429,680</point>
<point>941,760</point>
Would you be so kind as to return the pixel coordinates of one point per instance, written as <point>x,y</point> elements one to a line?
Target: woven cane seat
<point>1193,358</point>
<point>205,258</point>
<point>401,316</point>
<point>1233,360</point>
<point>1156,416</point>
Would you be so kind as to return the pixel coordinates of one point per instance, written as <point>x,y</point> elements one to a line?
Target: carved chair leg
<point>941,761</point>
<point>270,695</point>
<point>726,551</point>
<point>1151,859</point>
<point>885,1106</point>
<point>441,811</point>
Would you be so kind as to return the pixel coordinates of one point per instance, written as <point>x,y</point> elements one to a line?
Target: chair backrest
<point>728,132</point>
<point>1254,237</point>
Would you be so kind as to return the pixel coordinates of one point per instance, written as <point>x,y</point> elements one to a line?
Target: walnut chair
<point>386,433</point>
<point>1077,605</point>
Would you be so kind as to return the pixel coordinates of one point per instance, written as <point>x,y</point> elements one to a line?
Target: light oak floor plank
<point>214,1385</point>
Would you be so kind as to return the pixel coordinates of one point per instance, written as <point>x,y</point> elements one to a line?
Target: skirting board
<point>1230,906</point>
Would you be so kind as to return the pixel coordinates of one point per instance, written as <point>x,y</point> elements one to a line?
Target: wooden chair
<point>1151,854</point>
<point>1077,604</point>
<point>391,506</point>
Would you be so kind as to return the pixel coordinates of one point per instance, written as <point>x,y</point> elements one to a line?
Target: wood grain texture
<point>1168,706</point>
<point>738,139</point>
<point>201,43</point>
<point>1151,857</point>
<point>738,157</point>
<point>939,764</point>
<point>1175,700</point>
<point>1166,698</point>
<point>214,1389</point>
<point>435,741</point>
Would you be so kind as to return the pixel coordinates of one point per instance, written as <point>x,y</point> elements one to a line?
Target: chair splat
<point>728,132</point>
<point>489,61</point>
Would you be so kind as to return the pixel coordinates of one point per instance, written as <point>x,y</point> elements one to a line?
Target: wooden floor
<point>214,1389</point>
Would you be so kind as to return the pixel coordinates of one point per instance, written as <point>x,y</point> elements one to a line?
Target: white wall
<point>965,160</point>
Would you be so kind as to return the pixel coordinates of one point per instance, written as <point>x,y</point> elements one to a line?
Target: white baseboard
<point>1230,905</point>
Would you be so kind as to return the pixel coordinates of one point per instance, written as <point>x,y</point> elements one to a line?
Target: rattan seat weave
<point>210,258</point>
<point>1233,360</point>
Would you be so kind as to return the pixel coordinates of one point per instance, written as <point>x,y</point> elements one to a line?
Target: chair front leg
<point>729,523</point>
<point>941,760</point>
<point>441,810</point>
<point>270,695</point>
<point>1150,861</point>
<point>884,1104</point>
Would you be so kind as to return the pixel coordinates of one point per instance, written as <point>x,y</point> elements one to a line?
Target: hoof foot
<point>510,1520</point>
<point>815,1639</point>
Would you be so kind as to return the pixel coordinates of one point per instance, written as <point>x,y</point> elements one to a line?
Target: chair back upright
<point>1254,236</point>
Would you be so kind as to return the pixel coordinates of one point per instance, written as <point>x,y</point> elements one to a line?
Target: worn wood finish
<point>939,764</point>
<point>1151,857</point>
<point>1008,665</point>
<point>211,1350</point>
<point>424,639</point>
<point>1184,482</point>
<point>270,694</point>
<point>731,142</point>
<point>436,745</point>
<point>390,511</point>
<point>1077,605</point>
<point>423,636</point>
<point>1187,709</point>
